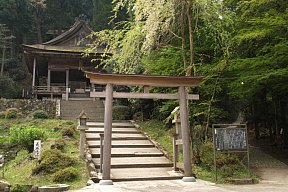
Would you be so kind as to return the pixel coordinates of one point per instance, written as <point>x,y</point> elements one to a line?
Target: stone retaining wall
<point>28,106</point>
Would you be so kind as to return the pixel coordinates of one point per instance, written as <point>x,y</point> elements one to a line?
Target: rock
<point>4,185</point>
<point>93,174</point>
<point>34,189</point>
<point>89,182</point>
<point>92,166</point>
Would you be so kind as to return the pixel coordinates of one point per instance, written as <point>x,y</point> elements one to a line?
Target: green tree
<point>259,67</point>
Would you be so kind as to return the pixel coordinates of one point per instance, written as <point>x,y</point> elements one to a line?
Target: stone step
<point>142,174</point>
<point>133,129</point>
<point>114,124</point>
<point>117,136</point>
<point>129,152</point>
<point>124,146</point>
<point>113,131</point>
<point>136,162</point>
<point>123,142</point>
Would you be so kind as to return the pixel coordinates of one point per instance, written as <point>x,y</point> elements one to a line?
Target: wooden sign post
<point>230,138</point>
<point>37,148</point>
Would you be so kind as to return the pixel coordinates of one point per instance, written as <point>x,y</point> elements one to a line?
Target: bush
<point>8,88</point>
<point>222,159</point>
<point>25,135</point>
<point>40,114</point>
<point>59,144</point>
<point>67,174</point>
<point>2,115</point>
<point>53,160</point>
<point>68,131</point>
<point>12,113</point>
<point>20,188</point>
<point>121,112</point>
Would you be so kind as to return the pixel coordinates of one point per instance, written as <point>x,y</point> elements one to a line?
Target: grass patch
<point>229,165</point>
<point>19,170</point>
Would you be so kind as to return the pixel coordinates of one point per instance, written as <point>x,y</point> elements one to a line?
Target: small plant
<point>2,115</point>
<point>12,113</point>
<point>53,160</point>
<point>67,174</point>
<point>59,144</point>
<point>68,131</point>
<point>121,112</point>
<point>40,114</point>
<point>20,188</point>
<point>25,135</point>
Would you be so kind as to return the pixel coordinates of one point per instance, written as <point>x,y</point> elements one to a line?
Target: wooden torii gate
<point>146,81</point>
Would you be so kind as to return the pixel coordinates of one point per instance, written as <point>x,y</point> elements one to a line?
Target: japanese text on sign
<point>37,148</point>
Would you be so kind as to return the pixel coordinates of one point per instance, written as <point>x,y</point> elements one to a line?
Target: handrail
<point>49,89</point>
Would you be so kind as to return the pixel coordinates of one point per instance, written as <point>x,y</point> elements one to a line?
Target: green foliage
<point>40,114</point>
<point>59,144</point>
<point>25,135</point>
<point>8,88</point>
<point>64,175</point>
<point>167,61</point>
<point>68,131</point>
<point>21,156</point>
<point>12,113</point>
<point>223,159</point>
<point>53,160</point>
<point>121,112</point>
<point>20,188</point>
<point>2,115</point>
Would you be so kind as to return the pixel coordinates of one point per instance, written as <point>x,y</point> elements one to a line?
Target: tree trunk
<point>3,60</point>
<point>182,29</point>
<point>38,27</point>
<point>191,46</point>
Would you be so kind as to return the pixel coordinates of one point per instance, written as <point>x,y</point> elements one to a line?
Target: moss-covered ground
<point>18,170</point>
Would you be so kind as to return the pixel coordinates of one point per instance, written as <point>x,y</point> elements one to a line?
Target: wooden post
<point>175,152</point>
<point>185,136</point>
<point>67,84</point>
<point>34,73</point>
<point>107,136</point>
<point>49,79</point>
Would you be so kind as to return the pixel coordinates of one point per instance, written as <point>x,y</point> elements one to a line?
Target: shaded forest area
<point>239,46</point>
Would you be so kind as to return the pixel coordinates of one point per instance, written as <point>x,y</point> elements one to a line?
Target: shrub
<point>68,131</point>
<point>12,113</point>
<point>2,115</point>
<point>53,160</point>
<point>121,112</point>
<point>222,159</point>
<point>67,174</point>
<point>20,188</point>
<point>25,135</point>
<point>40,114</point>
<point>59,144</point>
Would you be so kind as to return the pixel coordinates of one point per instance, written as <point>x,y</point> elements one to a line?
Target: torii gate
<point>143,80</point>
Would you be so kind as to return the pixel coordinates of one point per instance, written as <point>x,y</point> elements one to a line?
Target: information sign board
<point>230,138</point>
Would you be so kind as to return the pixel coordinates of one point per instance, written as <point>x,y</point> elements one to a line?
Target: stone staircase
<point>72,108</point>
<point>134,156</point>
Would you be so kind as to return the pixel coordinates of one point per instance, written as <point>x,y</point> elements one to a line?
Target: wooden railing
<point>49,90</point>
